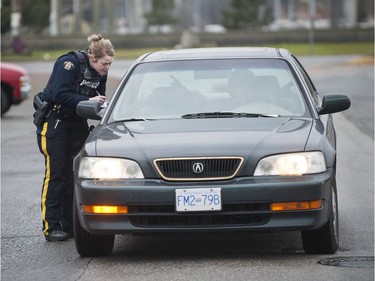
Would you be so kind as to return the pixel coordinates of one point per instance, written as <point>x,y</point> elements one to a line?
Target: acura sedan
<point>210,140</point>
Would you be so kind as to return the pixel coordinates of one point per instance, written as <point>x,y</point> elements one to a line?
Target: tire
<point>5,101</point>
<point>87,244</point>
<point>325,240</point>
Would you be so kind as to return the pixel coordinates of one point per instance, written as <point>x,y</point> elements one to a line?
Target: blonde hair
<point>100,47</point>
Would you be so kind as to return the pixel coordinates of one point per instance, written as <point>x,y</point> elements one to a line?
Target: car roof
<point>215,53</point>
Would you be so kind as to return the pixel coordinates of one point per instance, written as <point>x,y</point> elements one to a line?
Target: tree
<point>161,13</point>
<point>35,15</point>
<point>245,14</point>
<point>5,16</point>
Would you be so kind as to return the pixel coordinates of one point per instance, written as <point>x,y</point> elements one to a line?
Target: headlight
<point>292,164</point>
<point>109,168</point>
<point>25,84</point>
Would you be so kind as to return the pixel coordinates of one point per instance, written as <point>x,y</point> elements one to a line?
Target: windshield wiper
<point>223,114</point>
<point>133,119</point>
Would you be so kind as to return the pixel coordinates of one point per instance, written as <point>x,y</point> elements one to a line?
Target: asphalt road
<point>25,255</point>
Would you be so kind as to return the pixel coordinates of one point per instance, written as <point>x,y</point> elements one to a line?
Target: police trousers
<point>59,141</point>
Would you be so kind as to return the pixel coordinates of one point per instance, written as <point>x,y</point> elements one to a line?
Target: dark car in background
<point>210,140</point>
<point>15,85</point>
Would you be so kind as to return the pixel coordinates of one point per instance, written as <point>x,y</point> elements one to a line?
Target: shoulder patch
<point>68,65</point>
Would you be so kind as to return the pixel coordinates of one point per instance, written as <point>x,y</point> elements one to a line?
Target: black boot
<point>57,235</point>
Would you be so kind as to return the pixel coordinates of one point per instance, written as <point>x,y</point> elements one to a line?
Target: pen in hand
<point>99,98</point>
<point>102,101</point>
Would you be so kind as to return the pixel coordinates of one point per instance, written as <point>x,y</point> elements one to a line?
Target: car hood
<point>12,69</point>
<point>199,137</point>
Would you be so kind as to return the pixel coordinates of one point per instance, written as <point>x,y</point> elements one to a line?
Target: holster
<point>42,110</point>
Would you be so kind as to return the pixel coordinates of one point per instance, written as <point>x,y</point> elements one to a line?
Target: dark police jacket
<point>73,81</point>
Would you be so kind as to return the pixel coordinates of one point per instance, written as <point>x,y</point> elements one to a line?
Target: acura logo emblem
<point>198,168</point>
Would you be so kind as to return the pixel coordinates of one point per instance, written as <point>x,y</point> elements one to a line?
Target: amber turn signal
<point>294,206</point>
<point>94,209</point>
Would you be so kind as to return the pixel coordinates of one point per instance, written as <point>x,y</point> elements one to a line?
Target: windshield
<point>173,89</point>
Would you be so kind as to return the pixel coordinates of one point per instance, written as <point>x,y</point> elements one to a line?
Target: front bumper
<point>23,91</point>
<point>246,205</point>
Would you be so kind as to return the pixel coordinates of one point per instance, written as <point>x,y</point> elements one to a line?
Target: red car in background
<point>15,85</point>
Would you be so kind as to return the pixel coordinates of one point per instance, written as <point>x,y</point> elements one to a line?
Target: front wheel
<point>5,100</point>
<point>324,240</point>
<point>87,244</point>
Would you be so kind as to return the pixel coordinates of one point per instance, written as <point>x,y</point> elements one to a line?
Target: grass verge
<point>361,48</point>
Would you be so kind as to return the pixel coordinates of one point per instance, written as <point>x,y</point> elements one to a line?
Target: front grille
<point>240,214</point>
<point>198,168</point>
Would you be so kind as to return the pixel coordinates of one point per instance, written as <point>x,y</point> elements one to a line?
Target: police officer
<point>76,76</point>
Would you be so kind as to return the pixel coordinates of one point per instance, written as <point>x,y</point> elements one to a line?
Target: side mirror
<point>89,109</point>
<point>334,103</point>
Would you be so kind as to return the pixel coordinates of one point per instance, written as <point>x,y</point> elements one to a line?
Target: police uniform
<point>61,136</point>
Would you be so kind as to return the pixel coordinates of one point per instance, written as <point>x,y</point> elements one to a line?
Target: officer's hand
<point>99,99</point>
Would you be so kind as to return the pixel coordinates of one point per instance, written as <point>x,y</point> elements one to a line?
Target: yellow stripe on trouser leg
<point>47,176</point>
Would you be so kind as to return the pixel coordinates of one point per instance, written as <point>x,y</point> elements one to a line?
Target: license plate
<point>198,199</point>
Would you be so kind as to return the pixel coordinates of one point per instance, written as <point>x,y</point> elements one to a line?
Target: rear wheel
<point>324,240</point>
<point>87,244</point>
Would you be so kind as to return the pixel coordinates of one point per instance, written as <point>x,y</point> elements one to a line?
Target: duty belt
<point>63,112</point>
